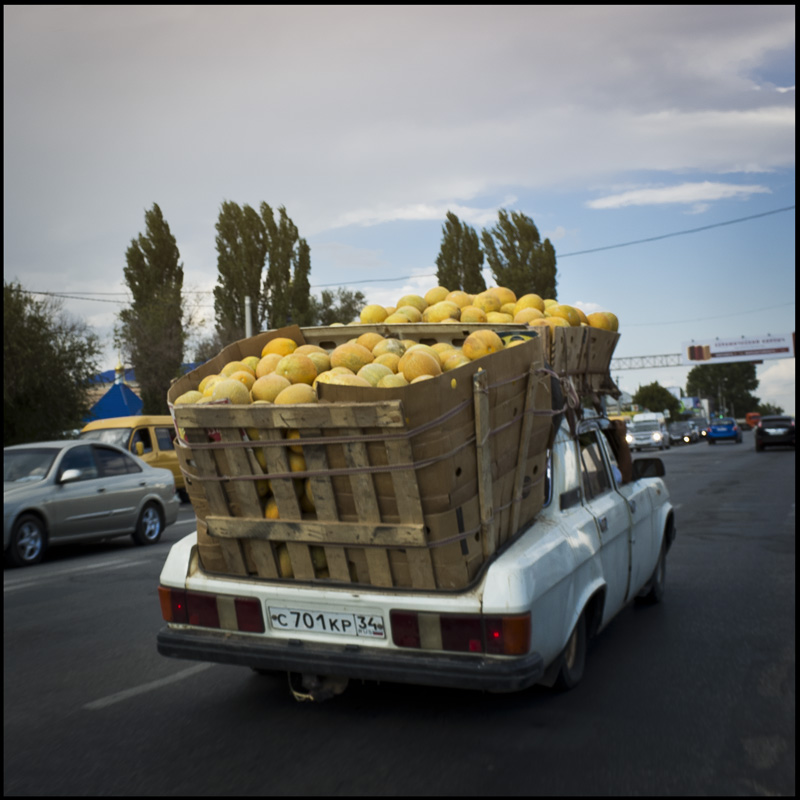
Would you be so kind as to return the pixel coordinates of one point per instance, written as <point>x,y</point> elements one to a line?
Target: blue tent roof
<point>118,401</point>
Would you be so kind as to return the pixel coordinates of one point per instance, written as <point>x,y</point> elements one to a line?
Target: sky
<point>606,125</point>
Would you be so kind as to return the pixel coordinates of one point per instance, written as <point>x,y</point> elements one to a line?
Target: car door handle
<point>603,524</point>
<point>101,489</point>
<point>632,504</point>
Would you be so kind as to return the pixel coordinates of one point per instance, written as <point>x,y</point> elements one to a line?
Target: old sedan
<point>69,491</point>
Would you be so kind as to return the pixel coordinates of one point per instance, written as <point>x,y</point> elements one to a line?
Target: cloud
<point>688,193</point>
<point>421,211</point>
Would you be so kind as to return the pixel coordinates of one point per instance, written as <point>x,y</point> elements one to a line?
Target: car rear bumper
<point>765,441</point>
<point>354,661</point>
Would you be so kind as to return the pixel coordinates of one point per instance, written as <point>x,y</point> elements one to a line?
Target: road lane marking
<point>104,702</point>
<point>24,584</point>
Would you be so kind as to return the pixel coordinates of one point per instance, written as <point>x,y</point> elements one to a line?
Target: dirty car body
<point>596,545</point>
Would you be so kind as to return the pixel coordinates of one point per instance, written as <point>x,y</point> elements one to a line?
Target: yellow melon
<point>296,393</point>
<point>188,398</point>
<point>460,298</point>
<point>234,391</point>
<point>503,294</point>
<point>297,369</point>
<point>481,343</point>
<point>280,345</point>
<point>374,372</point>
<point>529,301</point>
<point>418,362</point>
<point>352,356</point>
<point>433,296</point>
<point>473,314</point>
<point>267,364</point>
<point>372,314</point>
<point>392,381</point>
<point>413,314</point>
<point>369,340</point>
<point>235,366</point>
<point>268,387</point>
<point>245,376</point>
<point>413,300</point>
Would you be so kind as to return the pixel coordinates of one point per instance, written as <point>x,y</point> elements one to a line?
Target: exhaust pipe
<point>316,688</point>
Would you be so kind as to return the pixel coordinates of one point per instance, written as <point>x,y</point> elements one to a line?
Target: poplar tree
<point>282,236</point>
<point>460,259</point>
<point>151,330</point>
<point>518,258</point>
<point>242,245</point>
<point>300,288</point>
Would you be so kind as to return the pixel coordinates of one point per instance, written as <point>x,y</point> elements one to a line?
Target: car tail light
<point>470,633</point>
<point>210,610</point>
<point>173,604</point>
<point>248,614</point>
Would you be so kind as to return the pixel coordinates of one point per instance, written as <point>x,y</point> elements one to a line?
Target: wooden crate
<point>417,489</point>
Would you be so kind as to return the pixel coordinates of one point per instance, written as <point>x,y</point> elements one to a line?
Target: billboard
<point>745,348</point>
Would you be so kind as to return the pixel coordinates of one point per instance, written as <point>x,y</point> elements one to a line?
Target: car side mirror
<point>648,468</point>
<point>139,448</point>
<point>69,476</point>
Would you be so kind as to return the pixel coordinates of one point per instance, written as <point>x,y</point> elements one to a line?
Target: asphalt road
<point>692,697</point>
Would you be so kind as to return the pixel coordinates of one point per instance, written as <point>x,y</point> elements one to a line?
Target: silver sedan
<point>69,491</point>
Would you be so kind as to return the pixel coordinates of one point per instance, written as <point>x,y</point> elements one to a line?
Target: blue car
<point>722,430</point>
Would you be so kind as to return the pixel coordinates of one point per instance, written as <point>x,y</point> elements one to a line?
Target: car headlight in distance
<point>629,438</point>
<point>657,436</point>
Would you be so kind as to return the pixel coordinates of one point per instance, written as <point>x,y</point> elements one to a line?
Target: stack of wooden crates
<point>415,488</point>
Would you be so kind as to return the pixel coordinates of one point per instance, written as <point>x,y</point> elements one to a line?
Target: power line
<point>676,233</point>
<point>408,277</point>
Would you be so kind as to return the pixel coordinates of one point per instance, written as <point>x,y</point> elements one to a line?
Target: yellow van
<point>150,438</point>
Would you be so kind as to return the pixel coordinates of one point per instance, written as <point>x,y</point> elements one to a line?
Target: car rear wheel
<point>654,592</point>
<point>28,542</point>
<point>150,525</point>
<point>573,659</point>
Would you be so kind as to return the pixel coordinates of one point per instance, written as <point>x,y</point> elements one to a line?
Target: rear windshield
<point>724,421</point>
<point>117,436</point>
<point>778,422</point>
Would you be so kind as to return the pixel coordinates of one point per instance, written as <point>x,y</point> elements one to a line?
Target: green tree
<point>49,360</point>
<point>518,258</point>
<point>242,245</point>
<point>460,259</point>
<point>300,290</point>
<point>342,306</point>
<point>151,331</point>
<point>283,239</point>
<point>768,409</point>
<point>729,387</point>
<point>654,397</point>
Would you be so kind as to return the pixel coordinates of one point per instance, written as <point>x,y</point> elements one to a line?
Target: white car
<point>597,544</point>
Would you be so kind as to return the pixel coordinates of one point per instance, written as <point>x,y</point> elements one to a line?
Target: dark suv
<point>774,430</point>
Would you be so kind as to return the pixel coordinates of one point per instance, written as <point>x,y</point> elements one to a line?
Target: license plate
<point>369,626</point>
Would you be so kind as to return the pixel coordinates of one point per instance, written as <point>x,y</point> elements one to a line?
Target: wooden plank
<point>384,414</point>
<point>484,462</point>
<point>346,534</point>
<point>262,556</point>
<point>409,507</point>
<point>363,490</point>
<point>239,461</point>
<point>217,499</point>
<point>282,488</point>
<point>522,452</point>
<point>325,503</point>
<point>321,486</point>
